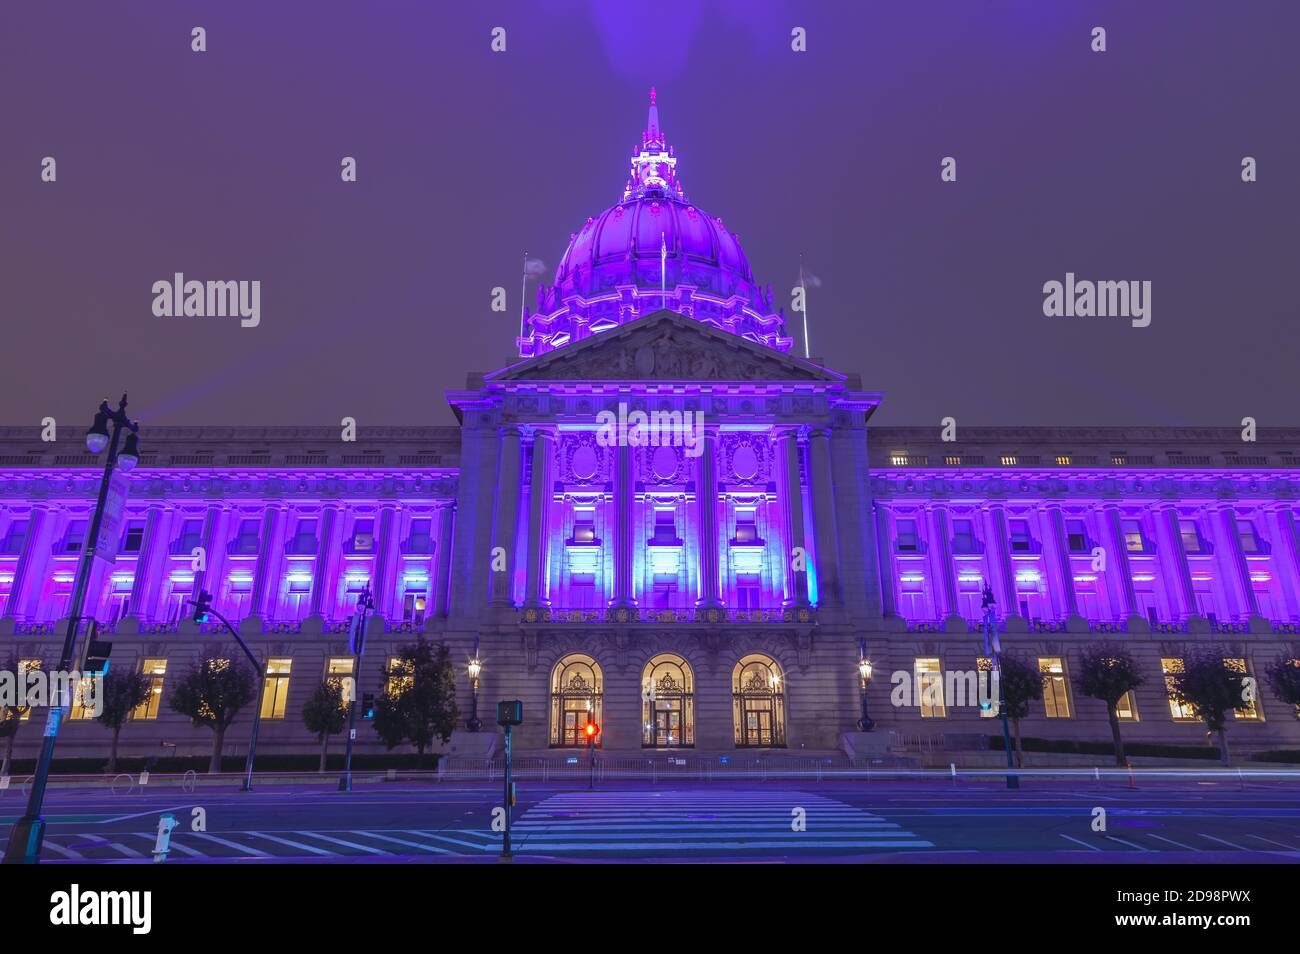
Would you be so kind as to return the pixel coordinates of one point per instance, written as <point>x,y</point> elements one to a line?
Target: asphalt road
<point>916,821</point>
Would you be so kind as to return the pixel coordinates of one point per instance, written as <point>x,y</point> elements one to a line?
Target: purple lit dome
<point>652,250</point>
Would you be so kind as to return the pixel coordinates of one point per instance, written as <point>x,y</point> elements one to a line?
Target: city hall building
<point>713,587</point>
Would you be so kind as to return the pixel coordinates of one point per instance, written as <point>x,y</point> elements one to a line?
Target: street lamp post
<point>864,679</point>
<point>475,667</point>
<point>202,610</point>
<point>365,603</point>
<point>993,649</point>
<point>28,833</point>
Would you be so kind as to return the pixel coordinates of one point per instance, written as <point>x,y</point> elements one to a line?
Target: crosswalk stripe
<point>290,843</point>
<point>123,849</point>
<point>1129,843</point>
<point>56,847</point>
<point>1223,842</point>
<point>1078,842</point>
<point>369,849</point>
<point>173,845</point>
<point>230,844</point>
<point>410,844</point>
<point>1172,842</point>
<point>727,845</point>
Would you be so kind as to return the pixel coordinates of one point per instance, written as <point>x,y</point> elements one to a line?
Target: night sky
<point>376,295</point>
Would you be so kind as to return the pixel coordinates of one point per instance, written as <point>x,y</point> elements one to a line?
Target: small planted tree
<point>1020,684</point>
<point>211,695</point>
<point>419,705</point>
<point>1212,688</point>
<point>121,692</point>
<point>1283,675</point>
<point>11,717</point>
<point>1108,672</point>
<point>325,714</point>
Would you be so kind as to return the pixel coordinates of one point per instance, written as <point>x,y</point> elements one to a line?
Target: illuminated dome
<point>652,250</point>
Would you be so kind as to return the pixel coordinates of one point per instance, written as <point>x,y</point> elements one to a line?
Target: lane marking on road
<point>174,845</point>
<point>1172,842</point>
<point>491,840</point>
<point>123,849</point>
<point>230,844</point>
<point>1078,842</point>
<point>290,843</point>
<point>158,811</point>
<point>1272,842</point>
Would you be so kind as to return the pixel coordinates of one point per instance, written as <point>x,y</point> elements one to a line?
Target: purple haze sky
<point>375,295</point>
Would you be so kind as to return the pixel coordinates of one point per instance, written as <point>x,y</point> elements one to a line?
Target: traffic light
<point>593,730</point>
<point>367,705</point>
<point>202,606</point>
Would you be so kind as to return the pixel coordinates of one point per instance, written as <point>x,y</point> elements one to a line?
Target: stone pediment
<point>665,346</point>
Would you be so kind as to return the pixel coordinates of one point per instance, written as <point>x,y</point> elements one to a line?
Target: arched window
<point>577,688</point>
<point>667,703</point>
<point>758,702</point>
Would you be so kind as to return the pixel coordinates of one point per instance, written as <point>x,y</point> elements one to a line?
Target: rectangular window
<point>1249,538</point>
<point>1055,697</point>
<point>665,532</point>
<point>16,537</point>
<point>906,540</point>
<point>1076,534</point>
<point>747,591</point>
<point>190,536</point>
<point>1126,708</point>
<point>1191,536</point>
<point>75,537</point>
<point>401,676</point>
<point>275,692</point>
<point>81,694</point>
<point>929,685</point>
<point>1250,711</point>
<point>1133,541</point>
<point>746,528</point>
<point>298,603</point>
<point>1181,712</point>
<point>363,536</point>
<point>341,668</point>
<point>155,669</point>
<point>413,607</point>
<point>247,540</point>
<point>584,525</point>
<point>304,537</point>
<point>963,536</point>
<point>420,540</point>
<point>133,538</point>
<point>24,667</point>
<point>1021,540</point>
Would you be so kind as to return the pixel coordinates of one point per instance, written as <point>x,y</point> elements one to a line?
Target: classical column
<point>1117,562</point>
<point>506,517</point>
<point>706,496</point>
<point>823,506</point>
<point>535,589</point>
<point>28,571</point>
<point>322,585</point>
<point>1173,560</point>
<point>885,560</point>
<point>214,552</point>
<point>145,584</point>
<point>796,592</point>
<point>941,564</point>
<point>381,586</point>
<point>1286,558</point>
<point>998,556</point>
<point>266,577</point>
<point>1060,564</point>
<point>442,591</point>
<point>1233,561</point>
<point>624,526</point>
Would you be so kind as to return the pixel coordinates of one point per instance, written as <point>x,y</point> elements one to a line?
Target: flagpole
<point>663,271</point>
<point>523,298</point>
<point>807,352</point>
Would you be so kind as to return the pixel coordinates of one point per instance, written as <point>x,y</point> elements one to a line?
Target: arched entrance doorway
<point>667,703</point>
<point>758,702</point>
<point>577,690</point>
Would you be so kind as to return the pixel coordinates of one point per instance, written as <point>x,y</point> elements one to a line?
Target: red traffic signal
<point>593,730</point>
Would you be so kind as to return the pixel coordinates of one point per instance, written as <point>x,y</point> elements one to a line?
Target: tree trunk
<point>1020,753</point>
<point>324,747</point>
<point>9,754</point>
<point>112,751</point>
<point>1223,745</point>
<point>419,755</point>
<point>218,738</point>
<point>1114,734</point>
